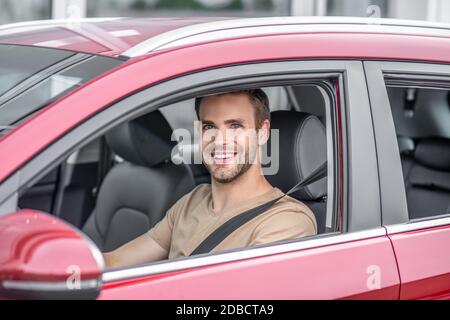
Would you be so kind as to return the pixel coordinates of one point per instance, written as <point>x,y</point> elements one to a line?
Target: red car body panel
<point>425,273</point>
<point>341,268</point>
<point>330,272</point>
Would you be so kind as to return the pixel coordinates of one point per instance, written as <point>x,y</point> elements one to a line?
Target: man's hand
<point>140,250</point>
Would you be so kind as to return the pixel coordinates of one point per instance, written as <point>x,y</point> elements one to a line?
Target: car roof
<point>103,36</point>
<point>132,37</point>
<point>240,28</point>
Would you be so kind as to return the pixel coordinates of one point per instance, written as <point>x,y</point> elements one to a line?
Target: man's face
<point>229,138</point>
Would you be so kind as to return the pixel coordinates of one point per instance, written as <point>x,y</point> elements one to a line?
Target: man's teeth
<point>222,156</point>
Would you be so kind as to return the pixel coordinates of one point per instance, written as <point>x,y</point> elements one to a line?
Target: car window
<point>32,77</point>
<point>18,63</point>
<point>75,199</point>
<point>421,117</point>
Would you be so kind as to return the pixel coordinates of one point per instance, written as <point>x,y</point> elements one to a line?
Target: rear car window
<point>421,116</point>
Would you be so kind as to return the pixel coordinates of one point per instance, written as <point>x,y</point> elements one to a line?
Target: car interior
<point>422,121</point>
<point>120,185</point>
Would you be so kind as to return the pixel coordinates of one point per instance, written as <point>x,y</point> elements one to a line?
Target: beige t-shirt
<point>191,219</point>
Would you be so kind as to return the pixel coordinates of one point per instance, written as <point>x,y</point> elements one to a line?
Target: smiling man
<point>234,127</point>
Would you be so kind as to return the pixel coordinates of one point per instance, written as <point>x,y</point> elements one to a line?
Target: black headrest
<point>434,153</point>
<point>303,148</point>
<point>144,141</point>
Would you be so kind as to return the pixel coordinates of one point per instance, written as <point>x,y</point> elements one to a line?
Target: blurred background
<point>24,10</point>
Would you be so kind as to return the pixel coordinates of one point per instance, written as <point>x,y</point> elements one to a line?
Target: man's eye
<point>235,126</point>
<point>207,127</point>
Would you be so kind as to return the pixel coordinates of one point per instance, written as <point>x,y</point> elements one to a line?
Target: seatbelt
<point>218,235</point>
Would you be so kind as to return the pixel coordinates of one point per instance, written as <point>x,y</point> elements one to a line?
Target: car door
<point>421,245</point>
<point>356,261</point>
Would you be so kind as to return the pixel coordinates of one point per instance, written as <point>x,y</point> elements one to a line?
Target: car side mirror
<point>42,257</point>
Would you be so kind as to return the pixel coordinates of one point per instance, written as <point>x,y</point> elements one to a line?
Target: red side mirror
<point>42,257</point>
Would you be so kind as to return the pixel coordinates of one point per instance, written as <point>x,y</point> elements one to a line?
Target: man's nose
<point>219,136</point>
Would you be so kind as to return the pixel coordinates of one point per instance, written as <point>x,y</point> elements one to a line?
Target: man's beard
<point>232,172</point>
<point>229,175</point>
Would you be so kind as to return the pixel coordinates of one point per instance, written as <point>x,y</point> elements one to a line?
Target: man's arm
<point>140,250</point>
<point>153,245</point>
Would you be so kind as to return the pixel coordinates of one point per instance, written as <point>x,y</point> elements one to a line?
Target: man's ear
<point>264,132</point>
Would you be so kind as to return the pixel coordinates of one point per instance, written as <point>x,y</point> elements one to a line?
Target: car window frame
<point>352,104</point>
<point>394,213</point>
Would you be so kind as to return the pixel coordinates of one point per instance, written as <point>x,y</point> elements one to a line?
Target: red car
<point>87,110</point>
